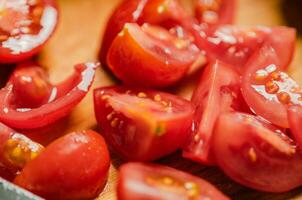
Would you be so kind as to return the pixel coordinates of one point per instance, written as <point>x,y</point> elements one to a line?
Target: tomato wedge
<point>266,89</point>
<point>215,12</point>
<point>25,26</point>
<point>256,154</point>
<point>16,150</point>
<point>142,124</point>
<point>218,91</point>
<point>29,101</point>
<point>74,166</point>
<point>295,119</point>
<point>155,182</point>
<point>150,56</point>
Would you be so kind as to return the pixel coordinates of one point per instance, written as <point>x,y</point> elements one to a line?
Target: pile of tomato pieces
<point>244,114</point>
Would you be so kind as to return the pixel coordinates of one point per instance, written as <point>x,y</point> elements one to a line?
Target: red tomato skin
<point>52,16</point>
<point>143,145</point>
<point>137,58</point>
<point>133,184</point>
<point>257,156</point>
<point>218,91</point>
<point>66,96</point>
<point>295,120</point>
<point>74,166</point>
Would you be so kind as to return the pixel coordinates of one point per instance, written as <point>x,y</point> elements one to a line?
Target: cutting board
<point>78,39</point>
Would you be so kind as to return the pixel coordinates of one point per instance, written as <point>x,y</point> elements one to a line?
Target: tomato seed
<point>271,87</point>
<point>283,97</point>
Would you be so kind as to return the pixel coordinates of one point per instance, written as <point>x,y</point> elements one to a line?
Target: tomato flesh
<point>255,154</point>
<point>150,56</point>
<point>25,27</point>
<point>72,167</point>
<point>218,91</point>
<point>154,182</point>
<point>29,101</point>
<point>142,124</point>
<point>295,119</point>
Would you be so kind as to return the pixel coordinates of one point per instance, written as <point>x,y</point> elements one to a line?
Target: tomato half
<point>256,154</point>
<point>295,119</point>
<point>150,56</point>
<point>215,12</point>
<point>218,91</point>
<point>25,26</point>
<point>266,89</point>
<point>74,166</point>
<point>155,182</point>
<point>142,124</point>
<point>16,150</point>
<point>29,101</point>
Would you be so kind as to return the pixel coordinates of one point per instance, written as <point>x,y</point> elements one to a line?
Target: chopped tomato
<point>215,12</point>
<point>154,182</point>
<point>266,89</point>
<point>218,91</point>
<point>25,26</point>
<point>142,124</point>
<point>29,101</point>
<point>256,154</point>
<point>16,150</point>
<point>295,119</point>
<point>150,56</point>
<point>73,167</point>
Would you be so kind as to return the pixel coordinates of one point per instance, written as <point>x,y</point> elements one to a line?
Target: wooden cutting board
<point>78,39</point>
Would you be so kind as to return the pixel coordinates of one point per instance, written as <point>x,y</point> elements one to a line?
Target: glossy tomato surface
<point>25,27</point>
<point>266,88</point>
<point>150,56</point>
<point>30,101</point>
<point>142,124</point>
<point>155,182</point>
<point>256,154</point>
<point>218,91</point>
<point>74,166</point>
<point>215,12</point>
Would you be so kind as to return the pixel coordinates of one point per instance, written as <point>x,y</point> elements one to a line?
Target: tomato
<point>142,124</point>
<point>295,119</point>
<point>155,182</point>
<point>256,154</point>
<point>16,150</point>
<point>236,45</point>
<point>218,91</point>
<point>215,12</point>
<point>29,101</point>
<point>150,56</point>
<point>74,166</point>
<point>266,89</point>
<point>25,27</point>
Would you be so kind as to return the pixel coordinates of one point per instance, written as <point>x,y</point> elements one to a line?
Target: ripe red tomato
<point>295,119</point>
<point>142,124</point>
<point>154,182</point>
<point>150,56</point>
<point>74,166</point>
<point>266,89</point>
<point>25,27</point>
<point>215,12</point>
<point>29,101</point>
<point>16,150</point>
<point>256,154</point>
<point>218,91</point>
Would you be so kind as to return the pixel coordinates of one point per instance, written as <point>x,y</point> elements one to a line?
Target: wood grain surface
<point>78,39</point>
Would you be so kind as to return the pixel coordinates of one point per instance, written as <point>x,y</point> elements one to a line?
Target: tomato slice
<point>215,12</point>
<point>16,150</point>
<point>29,101</point>
<point>74,166</point>
<point>218,91</point>
<point>155,182</point>
<point>266,89</point>
<point>142,124</point>
<point>236,45</point>
<point>150,56</point>
<point>25,26</point>
<point>255,154</point>
<point>295,119</point>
